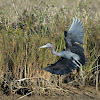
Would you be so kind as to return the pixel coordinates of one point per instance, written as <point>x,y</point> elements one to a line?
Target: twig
<point>25,95</point>
<point>31,78</point>
<point>97,73</point>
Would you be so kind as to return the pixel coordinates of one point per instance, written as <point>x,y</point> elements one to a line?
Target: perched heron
<point>71,57</point>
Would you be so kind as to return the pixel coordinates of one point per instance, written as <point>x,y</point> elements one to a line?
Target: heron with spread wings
<point>73,55</point>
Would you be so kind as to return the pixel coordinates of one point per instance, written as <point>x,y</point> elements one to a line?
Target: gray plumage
<point>73,56</point>
<point>64,65</point>
<point>76,31</point>
<point>66,54</point>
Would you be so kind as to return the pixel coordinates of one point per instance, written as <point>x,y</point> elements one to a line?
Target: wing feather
<point>62,66</point>
<point>76,31</point>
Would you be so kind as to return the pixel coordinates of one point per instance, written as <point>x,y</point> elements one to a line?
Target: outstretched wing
<point>62,66</point>
<point>75,33</point>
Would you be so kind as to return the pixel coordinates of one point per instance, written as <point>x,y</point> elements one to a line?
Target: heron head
<point>48,45</point>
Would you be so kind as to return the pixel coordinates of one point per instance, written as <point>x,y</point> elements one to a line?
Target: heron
<point>72,56</point>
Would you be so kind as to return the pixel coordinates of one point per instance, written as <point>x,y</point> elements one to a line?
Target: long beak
<point>44,46</point>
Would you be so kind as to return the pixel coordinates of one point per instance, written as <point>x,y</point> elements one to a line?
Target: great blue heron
<point>73,56</point>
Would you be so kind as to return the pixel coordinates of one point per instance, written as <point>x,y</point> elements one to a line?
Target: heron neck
<point>54,52</point>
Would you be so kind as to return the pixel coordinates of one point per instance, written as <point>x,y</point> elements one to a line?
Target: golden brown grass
<point>27,25</point>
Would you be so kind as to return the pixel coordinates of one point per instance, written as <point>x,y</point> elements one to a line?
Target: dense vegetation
<point>23,31</point>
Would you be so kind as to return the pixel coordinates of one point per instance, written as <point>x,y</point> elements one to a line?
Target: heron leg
<point>81,74</point>
<point>60,80</point>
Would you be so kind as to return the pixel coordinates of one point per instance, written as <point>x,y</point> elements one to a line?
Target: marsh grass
<point>22,32</point>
